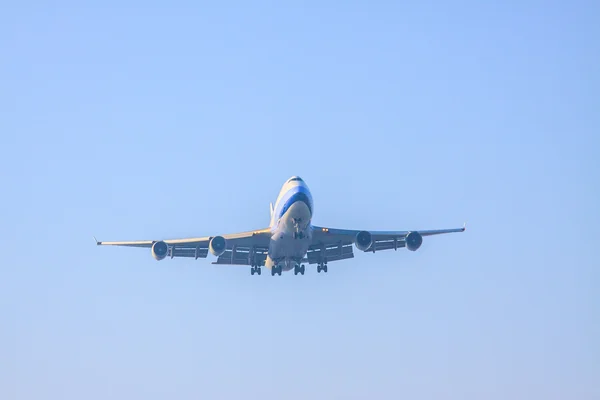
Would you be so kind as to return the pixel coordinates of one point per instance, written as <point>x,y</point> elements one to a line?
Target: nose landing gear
<point>298,234</point>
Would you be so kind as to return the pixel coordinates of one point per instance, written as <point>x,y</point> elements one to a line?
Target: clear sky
<point>137,120</point>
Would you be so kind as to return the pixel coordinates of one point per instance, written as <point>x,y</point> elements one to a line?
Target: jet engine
<point>217,245</point>
<point>413,241</point>
<point>160,250</point>
<point>363,240</point>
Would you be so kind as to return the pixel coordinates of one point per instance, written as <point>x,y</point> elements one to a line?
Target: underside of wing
<point>331,244</point>
<point>220,246</point>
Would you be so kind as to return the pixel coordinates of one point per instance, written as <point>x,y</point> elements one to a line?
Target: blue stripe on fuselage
<point>296,193</point>
<point>298,196</point>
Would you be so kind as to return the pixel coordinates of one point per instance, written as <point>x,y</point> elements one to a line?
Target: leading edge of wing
<point>442,231</point>
<point>149,243</point>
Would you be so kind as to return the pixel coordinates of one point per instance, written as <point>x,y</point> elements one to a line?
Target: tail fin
<point>271,219</point>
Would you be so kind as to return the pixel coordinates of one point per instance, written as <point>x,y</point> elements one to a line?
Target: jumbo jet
<point>288,242</point>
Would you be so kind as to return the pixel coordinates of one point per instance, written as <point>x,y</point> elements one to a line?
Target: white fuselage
<point>290,225</point>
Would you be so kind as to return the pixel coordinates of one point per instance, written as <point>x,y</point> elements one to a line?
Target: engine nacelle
<point>217,246</point>
<point>413,241</point>
<point>160,250</point>
<point>363,240</point>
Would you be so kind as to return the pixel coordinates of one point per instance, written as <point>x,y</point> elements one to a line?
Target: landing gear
<point>255,270</point>
<point>299,269</point>
<point>276,270</point>
<point>298,234</point>
<point>322,267</point>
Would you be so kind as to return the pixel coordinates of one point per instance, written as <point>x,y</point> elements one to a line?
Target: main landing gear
<point>299,269</point>
<point>276,270</point>
<point>298,235</point>
<point>322,267</point>
<point>255,270</point>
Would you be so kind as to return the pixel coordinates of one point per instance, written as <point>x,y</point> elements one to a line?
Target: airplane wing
<point>337,244</point>
<point>236,246</point>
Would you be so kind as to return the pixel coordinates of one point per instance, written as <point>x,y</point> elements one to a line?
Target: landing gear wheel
<point>302,269</point>
<point>322,267</point>
<point>258,271</point>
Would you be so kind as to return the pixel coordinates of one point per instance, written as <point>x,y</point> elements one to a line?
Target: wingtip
<point>97,242</point>
<point>464,228</point>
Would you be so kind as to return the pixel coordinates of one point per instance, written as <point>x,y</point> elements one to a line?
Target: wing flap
<point>242,256</point>
<point>330,252</point>
<point>175,251</point>
<point>386,245</point>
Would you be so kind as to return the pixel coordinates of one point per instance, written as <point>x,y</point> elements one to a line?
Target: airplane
<point>288,242</point>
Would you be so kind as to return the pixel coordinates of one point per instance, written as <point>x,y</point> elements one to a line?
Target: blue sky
<point>145,121</point>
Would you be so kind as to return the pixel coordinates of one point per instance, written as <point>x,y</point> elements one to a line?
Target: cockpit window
<point>296,178</point>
